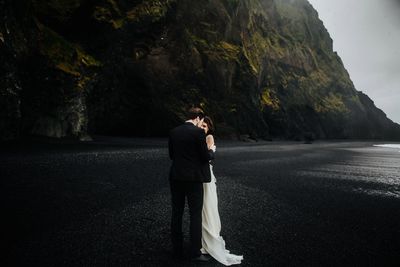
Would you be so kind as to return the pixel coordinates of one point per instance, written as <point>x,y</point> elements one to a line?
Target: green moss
<point>65,56</point>
<point>67,68</point>
<point>83,81</point>
<point>274,47</point>
<point>114,7</point>
<point>227,51</point>
<point>232,108</point>
<point>218,50</point>
<point>102,14</point>
<point>205,24</point>
<point>257,46</point>
<point>269,99</point>
<point>254,50</point>
<point>316,79</point>
<point>201,44</point>
<point>56,48</point>
<point>152,10</point>
<point>110,13</point>
<point>118,23</point>
<point>86,59</point>
<point>332,103</point>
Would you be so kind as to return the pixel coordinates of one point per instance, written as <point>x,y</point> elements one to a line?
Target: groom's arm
<point>211,155</point>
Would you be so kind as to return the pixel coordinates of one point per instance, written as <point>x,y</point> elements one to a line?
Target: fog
<point>366,35</point>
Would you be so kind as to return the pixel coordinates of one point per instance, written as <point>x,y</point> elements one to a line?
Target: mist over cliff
<point>263,68</point>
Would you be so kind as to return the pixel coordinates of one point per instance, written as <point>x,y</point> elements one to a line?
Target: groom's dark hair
<point>193,113</point>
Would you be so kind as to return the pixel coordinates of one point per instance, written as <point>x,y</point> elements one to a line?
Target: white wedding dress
<point>212,242</point>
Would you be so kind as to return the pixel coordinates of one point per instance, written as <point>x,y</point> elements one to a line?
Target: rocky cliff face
<point>260,67</point>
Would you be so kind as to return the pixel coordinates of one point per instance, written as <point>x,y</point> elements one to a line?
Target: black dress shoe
<point>202,258</point>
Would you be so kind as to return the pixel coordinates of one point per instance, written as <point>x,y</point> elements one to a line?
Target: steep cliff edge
<point>259,67</point>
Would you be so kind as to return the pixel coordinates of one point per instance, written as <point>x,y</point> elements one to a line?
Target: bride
<point>212,242</point>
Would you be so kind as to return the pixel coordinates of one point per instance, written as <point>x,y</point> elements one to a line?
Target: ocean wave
<point>397,146</point>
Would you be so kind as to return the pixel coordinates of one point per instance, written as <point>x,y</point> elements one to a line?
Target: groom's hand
<point>213,148</point>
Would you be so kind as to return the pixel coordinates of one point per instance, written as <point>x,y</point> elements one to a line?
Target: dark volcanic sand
<point>106,203</point>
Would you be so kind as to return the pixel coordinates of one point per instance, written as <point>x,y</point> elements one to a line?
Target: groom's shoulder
<point>179,128</point>
<point>185,127</point>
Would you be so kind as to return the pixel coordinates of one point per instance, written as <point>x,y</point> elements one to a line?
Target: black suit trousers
<point>194,194</point>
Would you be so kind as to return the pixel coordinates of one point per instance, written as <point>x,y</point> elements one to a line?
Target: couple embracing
<point>191,149</point>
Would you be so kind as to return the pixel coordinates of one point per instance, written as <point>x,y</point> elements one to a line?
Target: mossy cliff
<point>263,68</point>
<point>45,77</point>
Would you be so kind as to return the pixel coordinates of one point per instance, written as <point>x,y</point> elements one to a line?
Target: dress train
<point>212,242</point>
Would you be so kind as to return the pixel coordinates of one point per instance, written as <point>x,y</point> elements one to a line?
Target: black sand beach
<point>106,203</point>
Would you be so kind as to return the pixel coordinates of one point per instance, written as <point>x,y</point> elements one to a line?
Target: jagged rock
<point>12,47</point>
<point>260,68</point>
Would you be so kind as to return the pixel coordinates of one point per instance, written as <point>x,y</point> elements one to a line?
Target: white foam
<point>389,145</point>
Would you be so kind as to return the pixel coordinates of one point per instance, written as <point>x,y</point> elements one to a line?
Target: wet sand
<point>106,203</point>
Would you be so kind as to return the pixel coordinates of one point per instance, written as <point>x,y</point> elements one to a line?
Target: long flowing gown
<point>212,242</point>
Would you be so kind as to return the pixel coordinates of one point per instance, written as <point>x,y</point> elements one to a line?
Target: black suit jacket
<point>189,153</point>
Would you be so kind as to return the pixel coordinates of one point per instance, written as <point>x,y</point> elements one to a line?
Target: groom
<point>189,170</point>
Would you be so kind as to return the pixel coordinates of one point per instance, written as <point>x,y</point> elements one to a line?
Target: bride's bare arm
<point>210,140</point>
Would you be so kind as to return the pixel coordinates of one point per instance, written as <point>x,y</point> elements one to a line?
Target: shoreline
<point>100,139</point>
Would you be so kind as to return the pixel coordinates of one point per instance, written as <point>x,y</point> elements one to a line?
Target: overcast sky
<point>366,35</point>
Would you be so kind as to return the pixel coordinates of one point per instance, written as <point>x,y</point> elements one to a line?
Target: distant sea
<point>389,145</point>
